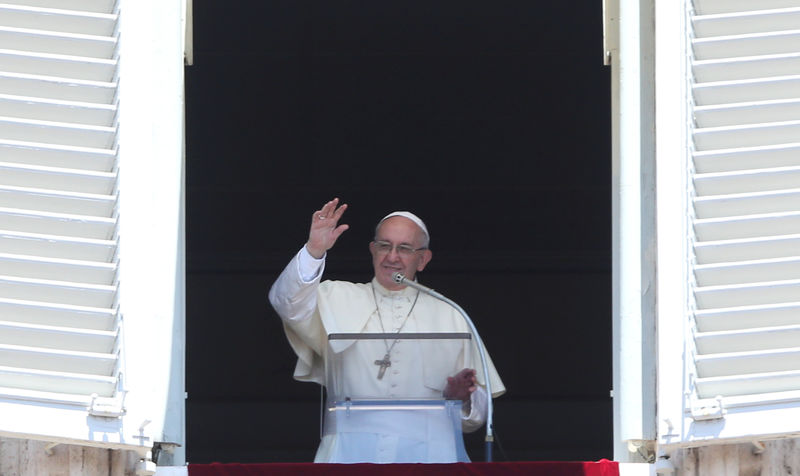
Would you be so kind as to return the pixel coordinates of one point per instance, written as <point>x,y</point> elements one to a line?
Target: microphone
<point>400,278</point>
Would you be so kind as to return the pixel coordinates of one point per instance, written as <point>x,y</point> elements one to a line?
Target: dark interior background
<point>490,120</point>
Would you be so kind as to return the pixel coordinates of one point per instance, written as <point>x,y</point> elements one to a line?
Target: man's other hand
<point>461,386</point>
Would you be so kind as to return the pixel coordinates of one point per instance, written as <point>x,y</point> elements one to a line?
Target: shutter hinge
<point>106,407</point>
<point>707,409</point>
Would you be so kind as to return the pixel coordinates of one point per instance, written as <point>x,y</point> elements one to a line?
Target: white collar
<point>408,292</point>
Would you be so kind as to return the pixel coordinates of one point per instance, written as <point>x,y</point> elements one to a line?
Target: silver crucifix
<point>384,364</point>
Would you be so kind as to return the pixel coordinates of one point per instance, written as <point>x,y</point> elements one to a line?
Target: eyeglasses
<point>384,247</point>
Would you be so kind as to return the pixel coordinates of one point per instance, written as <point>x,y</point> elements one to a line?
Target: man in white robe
<point>312,310</point>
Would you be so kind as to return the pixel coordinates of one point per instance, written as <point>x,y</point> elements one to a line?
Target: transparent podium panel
<point>385,399</point>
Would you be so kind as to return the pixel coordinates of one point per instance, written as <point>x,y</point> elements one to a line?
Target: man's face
<point>402,232</point>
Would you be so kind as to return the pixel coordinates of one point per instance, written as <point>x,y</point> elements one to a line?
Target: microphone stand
<point>399,278</point>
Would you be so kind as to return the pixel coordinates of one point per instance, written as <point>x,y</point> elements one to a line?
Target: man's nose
<point>393,254</point>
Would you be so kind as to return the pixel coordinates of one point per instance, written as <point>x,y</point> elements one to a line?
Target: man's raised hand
<point>325,229</point>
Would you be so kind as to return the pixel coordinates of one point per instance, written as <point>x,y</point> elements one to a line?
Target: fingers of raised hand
<point>339,230</point>
<point>338,212</point>
<point>329,213</point>
<point>322,213</point>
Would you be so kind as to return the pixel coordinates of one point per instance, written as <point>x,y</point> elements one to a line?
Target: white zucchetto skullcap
<point>411,217</point>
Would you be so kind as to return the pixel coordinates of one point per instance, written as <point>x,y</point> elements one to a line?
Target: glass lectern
<point>384,397</point>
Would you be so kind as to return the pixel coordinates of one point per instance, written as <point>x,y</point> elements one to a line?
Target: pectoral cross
<point>384,364</point>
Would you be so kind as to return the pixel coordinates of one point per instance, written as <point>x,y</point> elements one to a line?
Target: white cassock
<point>311,310</point>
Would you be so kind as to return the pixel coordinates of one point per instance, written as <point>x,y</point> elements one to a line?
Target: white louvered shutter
<point>59,324</point>
<point>742,354</point>
<point>92,222</point>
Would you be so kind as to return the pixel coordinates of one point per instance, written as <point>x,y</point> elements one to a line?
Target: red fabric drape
<point>533,468</point>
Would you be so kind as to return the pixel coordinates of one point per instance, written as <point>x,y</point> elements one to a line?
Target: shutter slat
<point>723,183</point>
<point>53,155</point>
<point>52,178</point>
<point>27,107</point>
<point>746,22</point>
<point>65,89</point>
<point>54,246</point>
<point>747,90</point>
<point>57,382</point>
<point>747,113</point>
<point>65,67</point>
<point>55,19</point>
<point>744,158</point>
<point>751,362</point>
<point>81,232</point>
<point>76,294</point>
<point>60,360</point>
<point>57,201</point>
<point>711,7</point>
<point>99,6</point>
<point>55,314</point>
<point>753,271</point>
<point>57,43</point>
<point>747,135</point>
<point>751,294</point>
<point>744,317</point>
<point>750,203</point>
<point>53,337</point>
<point>752,384</point>
<point>754,69</point>
<point>749,248</point>
<point>88,272</point>
<point>753,339</point>
<point>743,227</point>
<point>62,133</point>
<point>752,44</point>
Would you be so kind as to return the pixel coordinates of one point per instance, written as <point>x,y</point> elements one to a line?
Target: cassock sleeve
<point>478,408</point>
<point>294,293</point>
<point>295,300</point>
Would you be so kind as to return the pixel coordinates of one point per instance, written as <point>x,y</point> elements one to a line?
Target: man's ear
<point>427,255</point>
